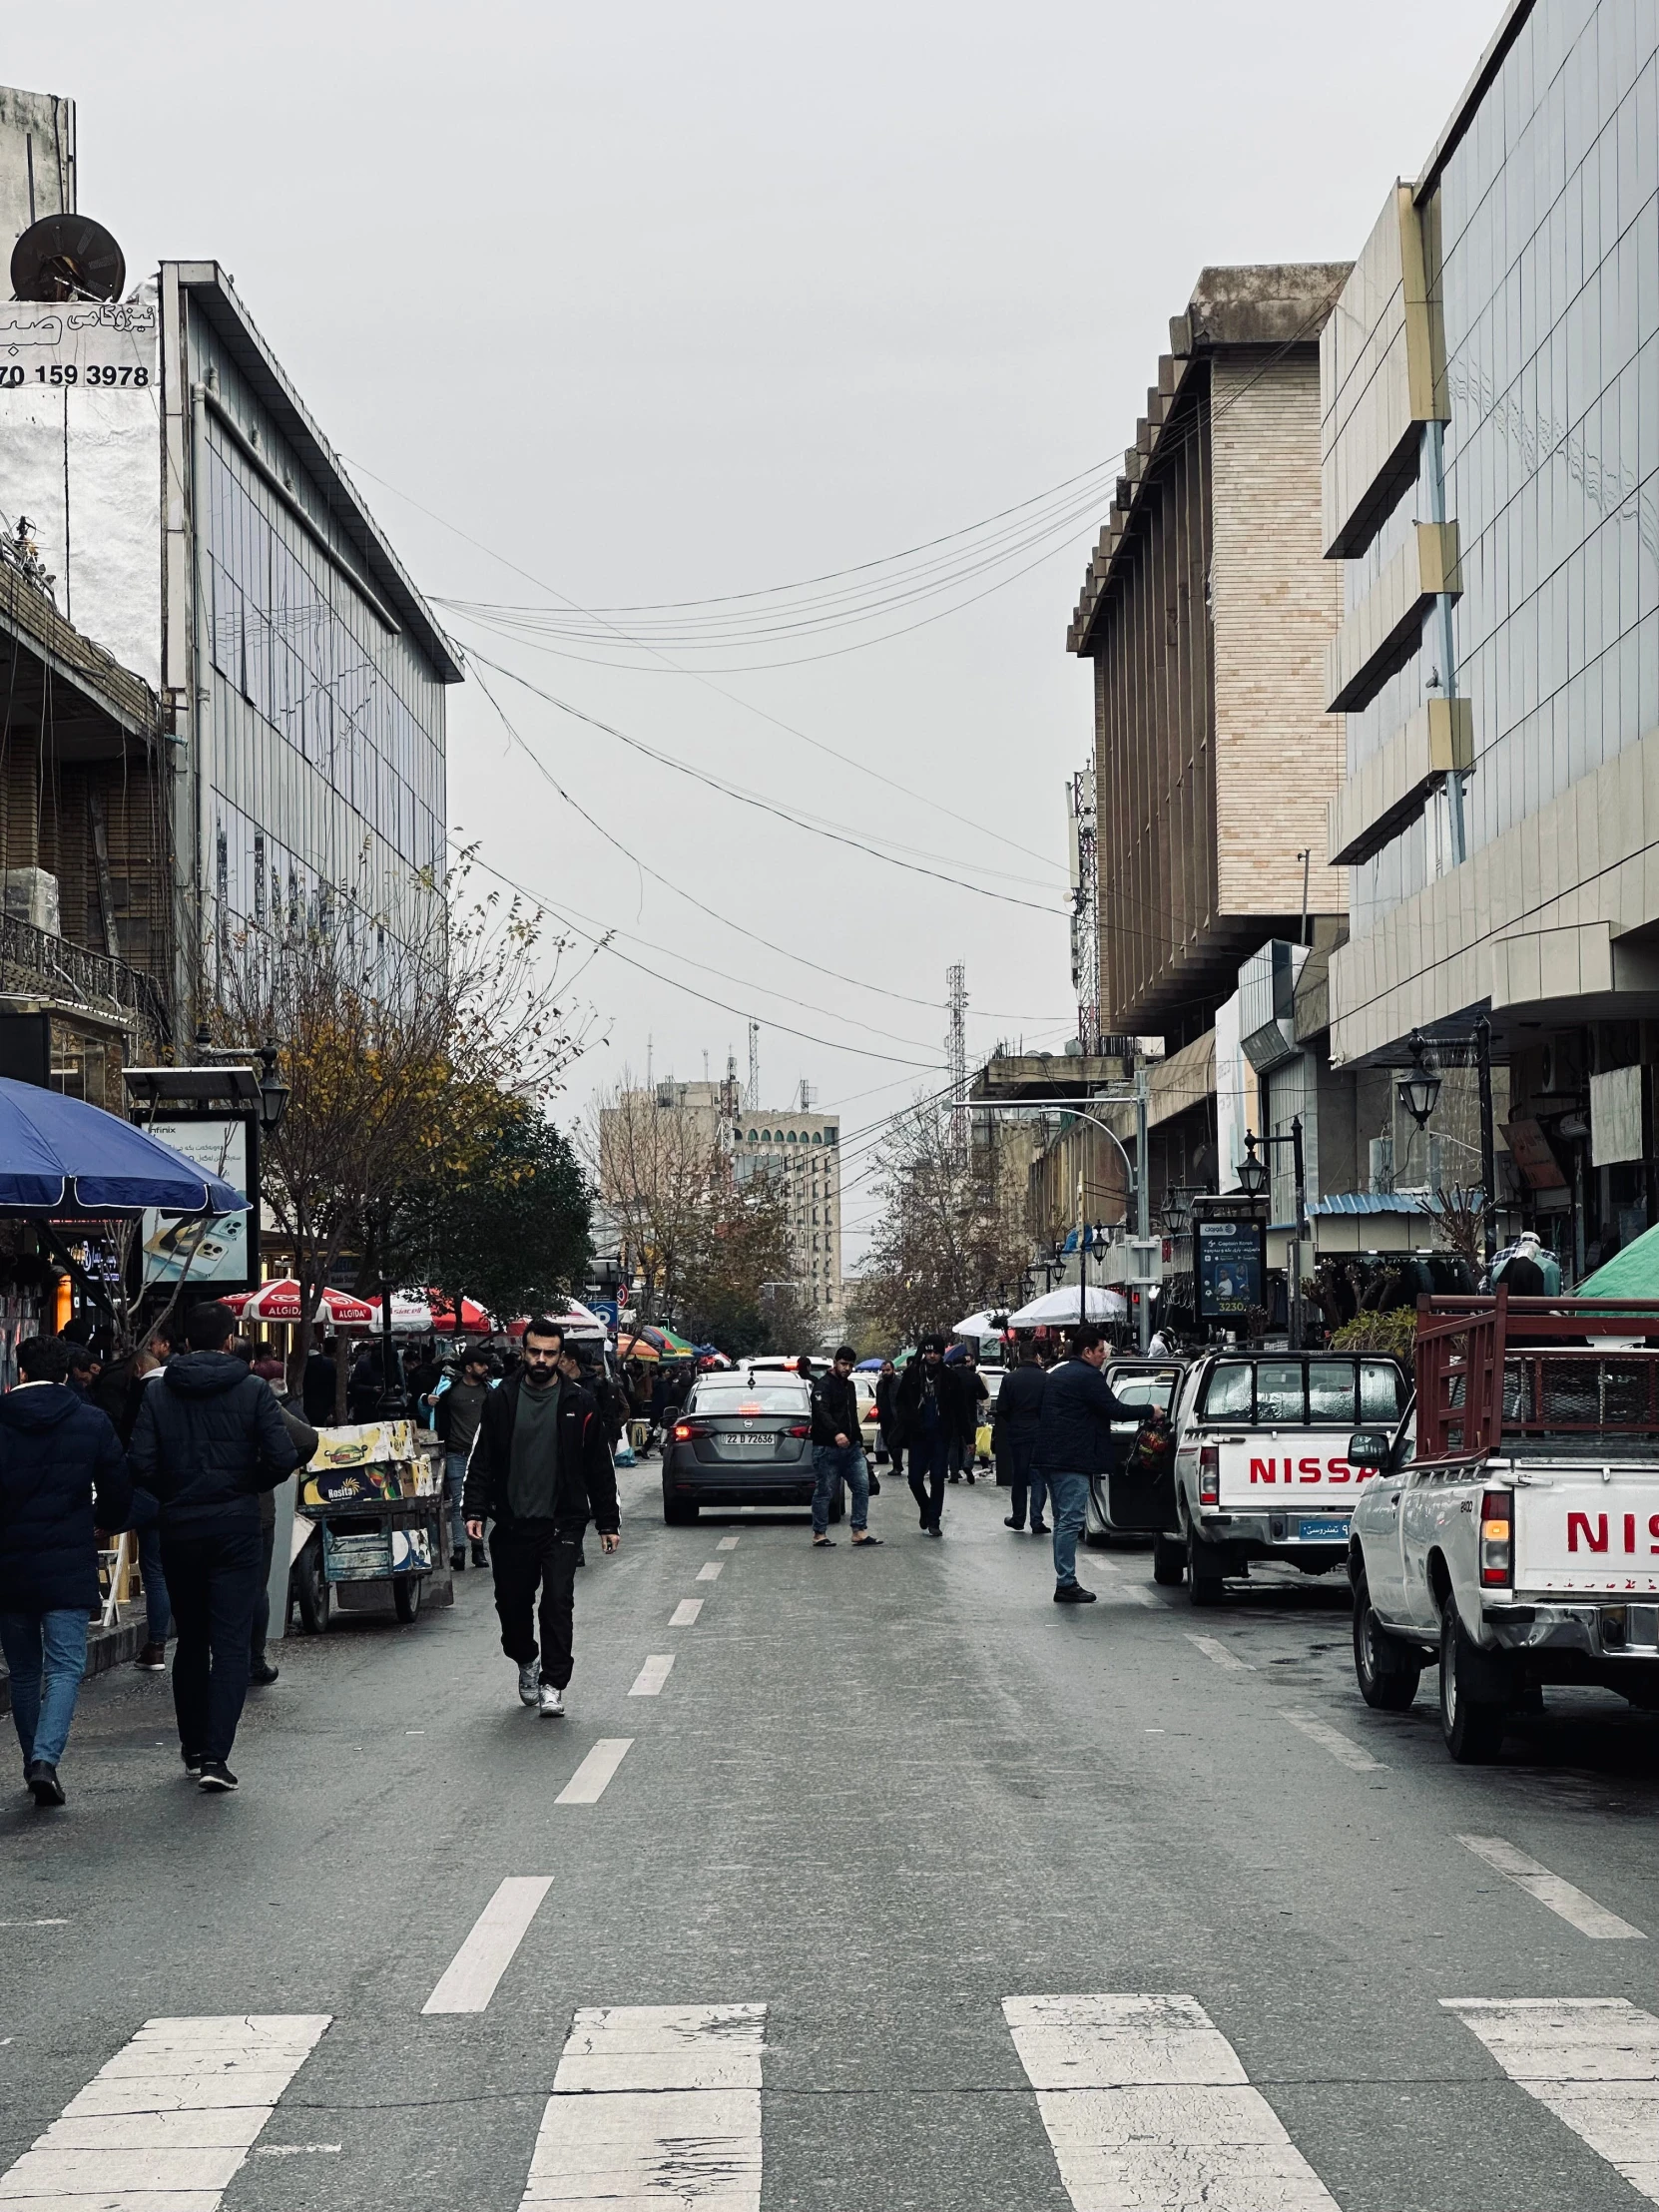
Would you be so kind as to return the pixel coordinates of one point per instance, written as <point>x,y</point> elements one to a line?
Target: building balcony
<point>1382,631</point>
<point>1390,789</point>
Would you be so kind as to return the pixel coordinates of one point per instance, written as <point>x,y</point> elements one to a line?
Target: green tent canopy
<point>1632,1273</point>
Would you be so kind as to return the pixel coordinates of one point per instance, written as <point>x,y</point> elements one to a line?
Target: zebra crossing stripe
<point>1147,2106</point>
<point>169,2120</point>
<point>468,1982</point>
<point>1592,2061</point>
<point>654,2104</point>
<point>1551,1890</point>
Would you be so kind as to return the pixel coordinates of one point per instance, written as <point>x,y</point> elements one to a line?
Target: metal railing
<point>72,972</point>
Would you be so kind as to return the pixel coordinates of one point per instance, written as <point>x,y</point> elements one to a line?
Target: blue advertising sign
<point>1229,1258</point>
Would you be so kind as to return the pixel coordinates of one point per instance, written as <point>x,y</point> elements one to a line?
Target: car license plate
<point>755,1441</point>
<point>1327,1531</point>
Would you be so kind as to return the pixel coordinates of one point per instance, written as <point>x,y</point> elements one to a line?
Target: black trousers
<point>896,1451</point>
<point>523,1554</point>
<point>213,1577</point>
<point>261,1604</point>
<point>929,1464</point>
<point>1013,1467</point>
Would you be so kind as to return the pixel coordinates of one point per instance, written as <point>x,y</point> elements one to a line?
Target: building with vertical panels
<point>1207,611</point>
<point>1491,396</point>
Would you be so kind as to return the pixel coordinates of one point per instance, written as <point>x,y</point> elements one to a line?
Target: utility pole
<point>955,983</point>
<point>754,1064</point>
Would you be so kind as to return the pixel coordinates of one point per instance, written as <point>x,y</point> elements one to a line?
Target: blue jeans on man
<point>839,1463</point>
<point>158,1607</point>
<point>1070,1494</point>
<point>454,1482</point>
<point>46,1654</point>
<point>1039,1496</point>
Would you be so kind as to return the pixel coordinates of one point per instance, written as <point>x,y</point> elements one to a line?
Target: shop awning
<point>62,1157</point>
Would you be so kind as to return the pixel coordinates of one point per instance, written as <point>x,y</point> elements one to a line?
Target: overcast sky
<point>658,303</point>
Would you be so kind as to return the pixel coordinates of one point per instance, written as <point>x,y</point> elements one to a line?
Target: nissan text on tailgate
<point>1261,1461</point>
<point>1511,1534</point>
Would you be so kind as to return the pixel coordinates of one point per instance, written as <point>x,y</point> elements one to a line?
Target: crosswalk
<point>1145,2105</point>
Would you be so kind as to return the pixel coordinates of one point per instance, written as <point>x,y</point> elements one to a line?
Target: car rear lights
<point>1209,1475</point>
<point>1498,1545</point>
<point>684,1430</point>
<point>800,1428</point>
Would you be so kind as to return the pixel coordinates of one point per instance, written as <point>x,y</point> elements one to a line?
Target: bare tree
<point>1460,1224</point>
<point>658,1166</point>
<point>948,1236</point>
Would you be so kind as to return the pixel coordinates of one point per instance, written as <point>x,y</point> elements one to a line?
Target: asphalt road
<point>878,1795</point>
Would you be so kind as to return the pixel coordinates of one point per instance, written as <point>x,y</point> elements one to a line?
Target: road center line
<point>654,2104</point>
<point>1341,1747</point>
<point>1583,1913</point>
<point>685,1612</point>
<point>1146,2104</point>
<point>1220,1653</point>
<point>651,1677</point>
<point>468,1982</point>
<point>592,1778</point>
<point>172,2116</point>
<point>709,1571</point>
<point>1592,2061</point>
<point>727,1543</point>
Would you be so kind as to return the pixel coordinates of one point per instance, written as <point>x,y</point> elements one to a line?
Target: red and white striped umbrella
<point>280,1302</point>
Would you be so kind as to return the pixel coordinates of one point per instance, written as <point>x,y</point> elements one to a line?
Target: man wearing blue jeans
<point>62,1479</point>
<point>457,1408</point>
<point>1075,1442</point>
<point>838,1455</point>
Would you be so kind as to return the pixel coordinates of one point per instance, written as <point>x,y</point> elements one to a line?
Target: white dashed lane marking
<point>1592,2061</point>
<point>170,2119</point>
<point>592,1778</point>
<point>468,1982</point>
<point>1220,1654</point>
<point>709,1571</point>
<point>1341,1747</point>
<point>1147,2106</point>
<point>651,1677</point>
<point>685,1612</point>
<point>727,1543</point>
<point>1583,1913</point>
<point>654,2106</point>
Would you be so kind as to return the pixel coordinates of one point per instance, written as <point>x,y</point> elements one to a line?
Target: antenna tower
<point>955,983</point>
<point>754,1064</point>
<point>1085,908</point>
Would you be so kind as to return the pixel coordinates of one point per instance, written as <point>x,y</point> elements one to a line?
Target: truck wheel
<point>1387,1669</point>
<point>1472,1727</point>
<point>1203,1570</point>
<point>1169,1562</point>
<point>405,1595</point>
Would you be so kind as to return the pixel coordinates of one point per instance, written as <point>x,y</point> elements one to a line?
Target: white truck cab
<point>1509,1533</point>
<point>1261,1465</point>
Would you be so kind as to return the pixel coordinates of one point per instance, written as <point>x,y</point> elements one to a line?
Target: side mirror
<point>1370,1447</point>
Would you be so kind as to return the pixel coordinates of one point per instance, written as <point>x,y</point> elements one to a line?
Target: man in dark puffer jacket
<point>62,1479</point>
<point>210,1438</point>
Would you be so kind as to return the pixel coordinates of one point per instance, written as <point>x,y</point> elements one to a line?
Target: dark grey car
<point>741,1439</point>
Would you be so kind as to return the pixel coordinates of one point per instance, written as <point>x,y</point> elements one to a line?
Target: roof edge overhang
<point>212,292</point>
<point>1490,62</point>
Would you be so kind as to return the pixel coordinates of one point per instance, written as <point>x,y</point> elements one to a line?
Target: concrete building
<point>803,1150</point>
<point>200,534</point>
<point>1207,610</point>
<point>1490,466</point>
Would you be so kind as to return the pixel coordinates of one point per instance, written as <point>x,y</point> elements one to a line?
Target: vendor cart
<point>369,1526</point>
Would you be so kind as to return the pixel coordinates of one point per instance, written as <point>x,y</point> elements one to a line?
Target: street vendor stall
<point>368,1528</point>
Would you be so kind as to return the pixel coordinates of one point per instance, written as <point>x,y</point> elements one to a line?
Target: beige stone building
<point>1207,611</point>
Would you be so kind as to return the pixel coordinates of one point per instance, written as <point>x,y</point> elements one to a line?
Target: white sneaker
<point>552,1702</point>
<point>529,1681</point>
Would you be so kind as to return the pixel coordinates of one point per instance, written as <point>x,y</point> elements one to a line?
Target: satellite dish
<point>66,256</point>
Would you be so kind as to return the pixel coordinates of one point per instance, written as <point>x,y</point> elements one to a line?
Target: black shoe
<point>968,1479</point>
<point>458,1562</point>
<point>42,1783</point>
<point>480,1557</point>
<point>1040,1528</point>
<point>932,1529</point>
<point>954,1478</point>
<point>193,1763</point>
<point>215,1775</point>
<point>1008,1521</point>
<point>261,1675</point>
<point>1072,1594</point>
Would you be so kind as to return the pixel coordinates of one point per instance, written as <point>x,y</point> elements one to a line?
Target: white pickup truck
<point>1510,1529</point>
<point>1261,1465</point>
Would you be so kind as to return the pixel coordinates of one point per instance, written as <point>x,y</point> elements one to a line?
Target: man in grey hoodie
<point>210,1438</point>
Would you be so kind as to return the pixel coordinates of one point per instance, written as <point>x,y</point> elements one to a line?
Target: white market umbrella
<point>980,1325</point>
<point>1056,1308</point>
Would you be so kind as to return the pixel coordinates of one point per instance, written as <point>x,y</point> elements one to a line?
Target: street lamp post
<point>1252,1179</point>
<point>1420,1094</point>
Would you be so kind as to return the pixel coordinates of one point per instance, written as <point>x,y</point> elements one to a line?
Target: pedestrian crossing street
<point>1146,2105</point>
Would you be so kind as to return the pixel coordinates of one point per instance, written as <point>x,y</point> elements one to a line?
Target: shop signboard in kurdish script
<point>215,1252</point>
<point>1229,1258</point>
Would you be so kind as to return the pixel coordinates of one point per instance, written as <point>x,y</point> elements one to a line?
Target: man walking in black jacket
<point>838,1451</point>
<point>1014,1429</point>
<point>1074,1441</point>
<point>62,1479</point>
<point>541,1470</point>
<point>923,1405</point>
<point>208,1439</point>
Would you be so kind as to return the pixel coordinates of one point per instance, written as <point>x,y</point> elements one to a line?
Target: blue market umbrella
<point>61,1156</point>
